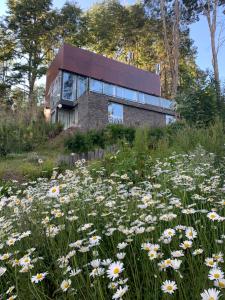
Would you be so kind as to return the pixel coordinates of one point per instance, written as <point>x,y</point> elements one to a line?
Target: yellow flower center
<point>221,284</point>
<point>66,285</point>
<point>39,276</point>
<point>217,276</point>
<point>169,288</point>
<point>53,190</point>
<point>211,298</point>
<point>116,270</point>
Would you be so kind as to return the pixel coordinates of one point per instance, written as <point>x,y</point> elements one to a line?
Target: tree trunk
<point>172,50</point>
<point>212,23</point>
<point>176,52</point>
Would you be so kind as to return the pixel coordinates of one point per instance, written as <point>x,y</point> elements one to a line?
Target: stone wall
<point>93,112</point>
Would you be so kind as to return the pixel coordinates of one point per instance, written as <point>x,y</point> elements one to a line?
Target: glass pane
<point>141,98</point>
<point>152,100</point>
<point>109,89</point>
<point>96,86</point>
<point>69,86</point>
<point>115,113</point>
<point>119,92</point>
<point>166,103</point>
<point>170,119</point>
<point>130,95</point>
<point>81,85</point>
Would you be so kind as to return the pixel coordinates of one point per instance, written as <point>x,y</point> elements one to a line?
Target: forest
<point>152,35</point>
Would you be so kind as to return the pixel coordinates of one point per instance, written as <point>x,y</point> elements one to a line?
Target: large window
<point>81,85</point>
<point>152,100</point>
<point>74,86</point>
<point>170,119</point>
<point>109,89</point>
<point>115,113</point>
<point>69,86</point>
<point>96,86</point>
<point>130,95</point>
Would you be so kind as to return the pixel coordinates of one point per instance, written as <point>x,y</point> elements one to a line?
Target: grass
<point>73,228</point>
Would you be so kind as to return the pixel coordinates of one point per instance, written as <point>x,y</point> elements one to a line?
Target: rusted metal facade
<point>108,71</point>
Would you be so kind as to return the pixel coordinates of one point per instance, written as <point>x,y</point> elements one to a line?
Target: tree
<point>33,26</point>
<point>72,25</point>
<point>7,52</point>
<point>209,9</point>
<point>197,105</point>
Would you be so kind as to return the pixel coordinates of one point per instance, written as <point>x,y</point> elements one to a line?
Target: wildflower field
<point>86,234</point>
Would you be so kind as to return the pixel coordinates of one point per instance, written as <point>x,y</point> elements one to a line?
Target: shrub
<point>20,133</point>
<point>111,135</point>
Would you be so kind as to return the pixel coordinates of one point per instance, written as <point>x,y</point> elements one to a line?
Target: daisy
<point>213,216</point>
<point>114,270</point>
<point>198,251</point>
<point>120,292</point>
<point>191,233</point>
<point>169,287</point>
<point>175,264</point>
<point>215,274</point>
<point>38,277</point>
<point>210,294</point>
<point>121,246</point>
<point>94,240</point>
<point>220,283</point>
<point>65,285</point>
<point>186,244</point>
<point>120,255</point>
<point>178,253</point>
<point>54,192</point>
<point>2,271</point>
<point>168,233</point>
<point>210,262</point>
<point>152,254</point>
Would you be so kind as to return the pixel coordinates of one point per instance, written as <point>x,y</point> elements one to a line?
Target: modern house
<point>87,90</point>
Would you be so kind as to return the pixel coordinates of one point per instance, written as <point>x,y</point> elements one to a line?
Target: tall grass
<point>24,130</point>
<point>72,228</point>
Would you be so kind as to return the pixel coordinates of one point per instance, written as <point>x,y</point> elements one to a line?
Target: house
<point>87,90</point>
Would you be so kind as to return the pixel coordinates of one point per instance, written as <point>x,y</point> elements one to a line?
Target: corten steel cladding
<point>93,65</point>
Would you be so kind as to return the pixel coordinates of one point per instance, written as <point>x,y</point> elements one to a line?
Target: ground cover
<point>87,234</point>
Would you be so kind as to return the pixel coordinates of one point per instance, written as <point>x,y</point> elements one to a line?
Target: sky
<point>199,33</point>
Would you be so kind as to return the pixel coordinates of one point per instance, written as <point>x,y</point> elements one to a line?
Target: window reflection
<point>74,86</point>
<point>96,85</point>
<point>69,86</point>
<point>109,89</point>
<point>115,113</point>
<point>81,85</point>
<point>170,119</point>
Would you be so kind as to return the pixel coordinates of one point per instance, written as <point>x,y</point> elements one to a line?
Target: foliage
<point>112,134</point>
<point>63,235</point>
<point>198,104</point>
<point>19,133</point>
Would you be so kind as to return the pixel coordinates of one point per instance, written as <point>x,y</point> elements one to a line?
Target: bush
<point>111,135</point>
<point>21,134</point>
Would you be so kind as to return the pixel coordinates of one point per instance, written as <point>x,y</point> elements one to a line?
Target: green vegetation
<point>111,135</point>
<point>122,227</point>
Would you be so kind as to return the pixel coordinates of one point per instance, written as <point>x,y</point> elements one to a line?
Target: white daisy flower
<point>114,270</point>
<point>38,277</point>
<point>54,192</point>
<point>210,294</point>
<point>220,283</point>
<point>120,292</point>
<point>2,271</point>
<point>169,287</point>
<point>65,285</point>
<point>215,274</point>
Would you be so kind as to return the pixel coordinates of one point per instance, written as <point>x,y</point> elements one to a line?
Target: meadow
<point>103,232</point>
